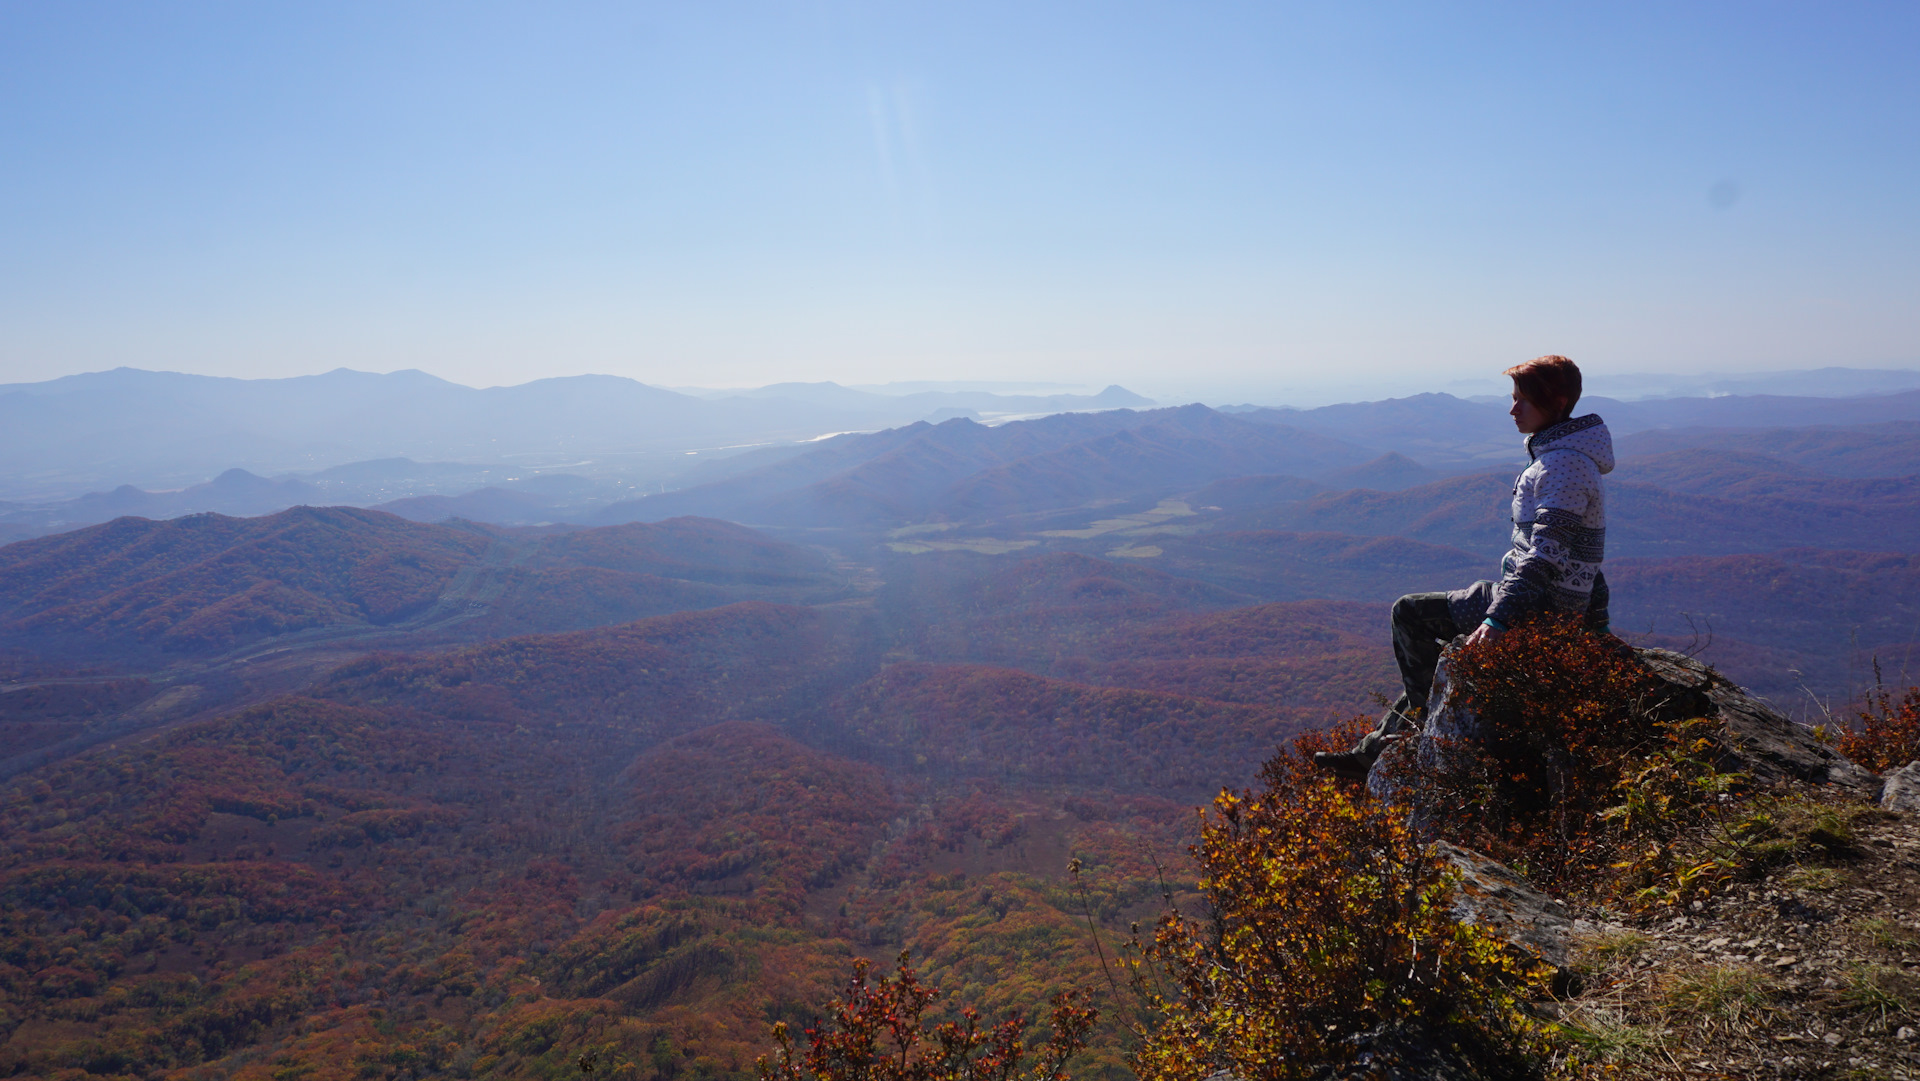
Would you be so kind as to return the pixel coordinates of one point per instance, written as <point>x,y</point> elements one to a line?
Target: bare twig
<point>1697,647</point>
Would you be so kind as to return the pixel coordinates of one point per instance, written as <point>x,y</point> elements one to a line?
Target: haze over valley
<point>671,703</point>
<point>1768,533</point>
<point>680,735</point>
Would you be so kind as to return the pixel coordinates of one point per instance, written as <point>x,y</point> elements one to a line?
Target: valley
<point>334,792</point>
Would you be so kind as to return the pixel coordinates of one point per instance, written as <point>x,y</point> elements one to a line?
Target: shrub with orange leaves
<point>1564,716</point>
<point>1329,940</point>
<point>879,1032</point>
<point>1887,733</point>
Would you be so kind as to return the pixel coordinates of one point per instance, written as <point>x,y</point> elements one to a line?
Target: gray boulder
<point>1764,743</point>
<point>1902,791</point>
<point>1493,896</point>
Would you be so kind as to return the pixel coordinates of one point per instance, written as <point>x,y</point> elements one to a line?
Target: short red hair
<point>1548,381</point>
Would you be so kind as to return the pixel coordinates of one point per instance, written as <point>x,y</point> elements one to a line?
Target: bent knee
<point>1403,609</point>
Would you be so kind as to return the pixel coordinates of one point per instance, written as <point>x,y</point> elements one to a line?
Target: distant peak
<point>1115,394</point>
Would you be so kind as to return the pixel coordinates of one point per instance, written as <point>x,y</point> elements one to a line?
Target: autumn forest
<point>332,793</point>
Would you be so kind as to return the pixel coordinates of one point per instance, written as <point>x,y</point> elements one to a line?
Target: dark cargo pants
<point>1423,623</point>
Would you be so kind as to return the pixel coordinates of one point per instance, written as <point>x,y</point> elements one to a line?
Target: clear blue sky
<point>1165,195</point>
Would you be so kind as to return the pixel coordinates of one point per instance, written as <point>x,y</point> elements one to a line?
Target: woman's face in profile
<point>1528,417</point>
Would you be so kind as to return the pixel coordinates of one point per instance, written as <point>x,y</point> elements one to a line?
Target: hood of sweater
<point>1587,434</point>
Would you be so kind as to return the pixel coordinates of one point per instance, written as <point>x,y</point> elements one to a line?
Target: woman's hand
<point>1485,632</point>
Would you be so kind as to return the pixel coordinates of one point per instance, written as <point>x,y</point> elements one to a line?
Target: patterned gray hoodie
<point>1559,525</point>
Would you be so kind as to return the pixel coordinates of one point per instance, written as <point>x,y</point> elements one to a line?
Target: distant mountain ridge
<point>167,430</point>
<point>879,474</point>
<point>925,402</point>
<point>422,491</point>
<point>1444,431</point>
<point>962,470</point>
<point>1890,449</point>
<point>209,582</point>
<point>144,443</point>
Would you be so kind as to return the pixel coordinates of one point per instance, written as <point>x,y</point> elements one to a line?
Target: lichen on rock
<point>1902,789</point>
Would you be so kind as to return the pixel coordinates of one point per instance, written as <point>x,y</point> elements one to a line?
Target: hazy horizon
<point>1831,381</point>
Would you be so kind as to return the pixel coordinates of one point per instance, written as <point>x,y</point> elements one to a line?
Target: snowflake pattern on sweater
<point>1559,524</point>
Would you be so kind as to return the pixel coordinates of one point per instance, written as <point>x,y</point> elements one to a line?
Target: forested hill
<point>334,792</point>
<point>134,591</point>
<point>664,834</point>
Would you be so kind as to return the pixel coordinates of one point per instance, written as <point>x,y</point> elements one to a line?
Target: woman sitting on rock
<point>1559,539</point>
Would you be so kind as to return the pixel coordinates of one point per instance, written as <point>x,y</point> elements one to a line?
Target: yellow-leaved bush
<point>1328,938</point>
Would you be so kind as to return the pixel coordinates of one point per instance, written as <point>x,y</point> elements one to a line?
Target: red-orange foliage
<point>738,809</point>
<point>1318,657</point>
<point>497,858</point>
<point>1564,714</point>
<point>36,716</point>
<point>207,581</point>
<point>1285,629</point>
<point>967,720</point>
<point>1887,734</point>
<point>878,1032</point>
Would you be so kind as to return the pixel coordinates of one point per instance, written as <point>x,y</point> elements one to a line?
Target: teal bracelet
<point>1494,623</point>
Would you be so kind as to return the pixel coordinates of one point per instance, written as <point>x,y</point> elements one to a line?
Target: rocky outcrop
<point>1493,896</point>
<point>1764,744</point>
<point>1790,929</point>
<point>1761,742</point>
<point>1902,791</point>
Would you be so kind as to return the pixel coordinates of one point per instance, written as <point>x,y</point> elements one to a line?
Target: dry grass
<point>1886,994</point>
<point>1885,934</point>
<point>1723,997</point>
<point>1834,886</point>
<point>1608,949</point>
<point>1603,1034</point>
<point>1820,879</point>
<point>1779,832</point>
